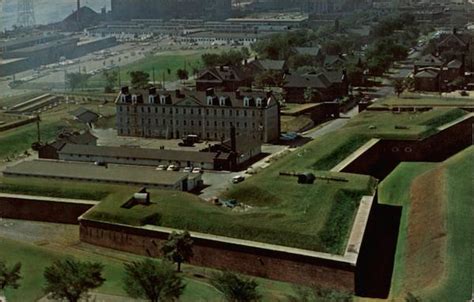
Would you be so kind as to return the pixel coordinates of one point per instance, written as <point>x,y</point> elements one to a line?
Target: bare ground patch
<point>426,239</point>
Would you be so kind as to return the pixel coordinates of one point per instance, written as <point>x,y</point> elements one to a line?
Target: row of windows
<point>208,135</point>
<point>191,111</point>
<point>193,123</point>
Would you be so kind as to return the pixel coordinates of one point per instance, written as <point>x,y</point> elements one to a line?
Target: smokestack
<point>78,8</point>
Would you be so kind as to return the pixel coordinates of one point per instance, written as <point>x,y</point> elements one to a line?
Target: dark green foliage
<point>9,277</point>
<point>111,78</point>
<point>318,294</point>
<point>139,79</point>
<point>76,79</point>
<point>269,78</point>
<point>398,86</point>
<point>231,57</point>
<point>182,74</point>
<point>152,280</point>
<point>236,288</point>
<point>178,248</point>
<point>71,280</point>
<point>339,219</point>
<point>412,298</point>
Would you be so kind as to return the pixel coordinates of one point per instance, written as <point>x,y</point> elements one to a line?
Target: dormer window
<point>209,100</point>
<point>222,100</point>
<point>246,101</point>
<point>162,99</point>
<point>123,98</point>
<point>151,99</point>
<point>134,98</point>
<point>259,102</point>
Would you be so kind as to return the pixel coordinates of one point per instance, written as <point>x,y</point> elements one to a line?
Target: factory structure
<point>168,9</point>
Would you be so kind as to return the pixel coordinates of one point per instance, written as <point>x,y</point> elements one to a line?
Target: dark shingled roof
<point>429,60</point>
<point>85,115</point>
<point>199,98</point>
<point>321,80</point>
<point>310,51</point>
<point>427,73</point>
<point>139,153</point>
<point>223,73</point>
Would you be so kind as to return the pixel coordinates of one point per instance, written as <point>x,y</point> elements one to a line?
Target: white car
<point>162,168</point>
<point>197,170</point>
<point>237,179</point>
<point>173,168</point>
<point>188,169</point>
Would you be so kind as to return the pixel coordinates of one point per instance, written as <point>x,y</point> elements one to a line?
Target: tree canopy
<point>139,79</point>
<point>9,277</point>
<point>76,80</point>
<point>71,279</point>
<point>231,57</point>
<point>178,248</point>
<point>236,288</point>
<point>152,280</point>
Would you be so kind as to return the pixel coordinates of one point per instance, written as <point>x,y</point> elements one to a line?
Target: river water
<point>46,11</point>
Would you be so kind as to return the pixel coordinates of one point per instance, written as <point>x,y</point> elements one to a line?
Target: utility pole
<point>38,132</point>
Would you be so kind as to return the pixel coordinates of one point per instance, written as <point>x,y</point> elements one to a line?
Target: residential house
<point>226,78</point>
<point>321,87</point>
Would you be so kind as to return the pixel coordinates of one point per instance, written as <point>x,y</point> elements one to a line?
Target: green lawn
<point>190,59</point>
<point>455,284</point>
<point>16,141</point>
<point>35,258</point>
<point>424,101</point>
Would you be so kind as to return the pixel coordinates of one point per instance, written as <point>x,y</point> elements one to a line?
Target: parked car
<point>173,168</point>
<point>198,170</point>
<point>237,179</point>
<point>188,169</point>
<point>162,168</point>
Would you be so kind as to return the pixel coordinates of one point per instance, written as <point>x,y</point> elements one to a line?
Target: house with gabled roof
<point>324,86</point>
<point>226,78</point>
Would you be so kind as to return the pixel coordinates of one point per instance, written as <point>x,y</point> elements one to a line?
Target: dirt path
<point>426,238</point>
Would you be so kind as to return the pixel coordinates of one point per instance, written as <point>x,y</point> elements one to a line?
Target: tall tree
<point>236,288</point>
<point>182,74</point>
<point>9,277</point>
<point>71,280</point>
<point>139,79</point>
<point>111,78</point>
<point>178,248</point>
<point>398,86</point>
<point>76,79</point>
<point>153,281</point>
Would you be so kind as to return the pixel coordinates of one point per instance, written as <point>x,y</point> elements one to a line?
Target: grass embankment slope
<point>417,100</point>
<point>316,216</point>
<point>161,63</point>
<point>35,258</point>
<point>433,258</point>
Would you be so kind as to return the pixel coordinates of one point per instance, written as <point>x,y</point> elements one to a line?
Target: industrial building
<point>209,115</point>
<point>169,9</point>
<point>109,174</point>
<point>25,53</point>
